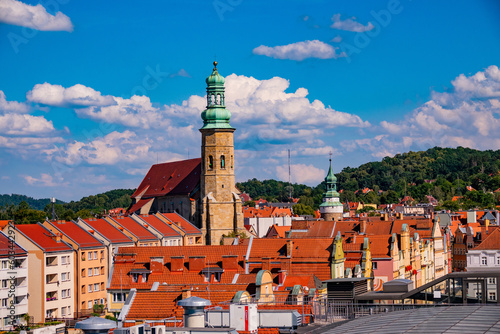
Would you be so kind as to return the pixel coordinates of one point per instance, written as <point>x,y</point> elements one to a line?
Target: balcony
<point>51,296</point>
<point>51,279</point>
<point>51,261</point>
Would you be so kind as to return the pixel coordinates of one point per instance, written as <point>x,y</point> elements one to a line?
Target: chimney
<point>57,238</point>
<point>401,216</point>
<point>289,247</point>
<point>186,293</point>
<point>230,262</point>
<point>177,264</point>
<point>266,263</point>
<point>281,276</point>
<point>362,226</point>
<point>196,263</point>
<point>156,264</point>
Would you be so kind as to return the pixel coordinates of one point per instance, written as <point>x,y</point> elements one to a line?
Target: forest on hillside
<point>91,206</point>
<point>440,172</point>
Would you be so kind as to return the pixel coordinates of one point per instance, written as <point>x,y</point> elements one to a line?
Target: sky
<point>92,93</point>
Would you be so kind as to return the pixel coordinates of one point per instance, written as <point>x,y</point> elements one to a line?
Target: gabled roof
<point>107,230</point>
<point>492,241</point>
<point>137,206</point>
<point>159,225</point>
<point>171,178</point>
<point>81,237</point>
<point>180,221</point>
<point>280,230</point>
<point>43,238</point>
<point>8,248</point>
<point>135,228</point>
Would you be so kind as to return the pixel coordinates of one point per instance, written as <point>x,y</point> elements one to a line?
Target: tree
<point>301,209</point>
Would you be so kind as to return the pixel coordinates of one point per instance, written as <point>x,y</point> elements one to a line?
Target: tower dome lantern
<point>331,208</point>
<point>216,116</point>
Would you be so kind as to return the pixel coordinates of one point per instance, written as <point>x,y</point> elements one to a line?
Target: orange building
<point>90,265</point>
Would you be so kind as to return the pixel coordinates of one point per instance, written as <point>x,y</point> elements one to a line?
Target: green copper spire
<point>216,116</point>
<point>331,183</point>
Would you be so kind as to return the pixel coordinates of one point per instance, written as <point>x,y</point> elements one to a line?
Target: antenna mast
<point>289,178</point>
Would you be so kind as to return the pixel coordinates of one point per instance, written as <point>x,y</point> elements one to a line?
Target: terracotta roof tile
<point>160,226</point>
<point>83,238</point>
<point>7,247</point>
<point>110,232</point>
<point>135,228</point>
<point>172,178</point>
<point>491,242</point>
<point>43,238</point>
<point>180,221</point>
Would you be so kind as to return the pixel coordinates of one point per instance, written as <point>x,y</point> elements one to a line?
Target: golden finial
<point>215,65</point>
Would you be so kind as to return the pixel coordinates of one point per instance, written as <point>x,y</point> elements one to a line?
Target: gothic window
<point>210,162</point>
<point>222,162</point>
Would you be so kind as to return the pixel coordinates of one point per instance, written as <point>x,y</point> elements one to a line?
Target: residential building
<point>90,265</point>
<point>13,282</point>
<point>167,235</point>
<point>51,271</point>
<point>138,233</point>
<point>191,235</point>
<point>262,218</point>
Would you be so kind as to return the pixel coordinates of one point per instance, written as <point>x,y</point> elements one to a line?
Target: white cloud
<point>468,115</point>
<point>21,124</point>
<point>75,96</point>
<point>337,39</point>
<point>350,24</point>
<point>301,173</point>
<point>299,51</point>
<point>45,180</point>
<point>12,106</point>
<point>116,147</point>
<point>35,17</point>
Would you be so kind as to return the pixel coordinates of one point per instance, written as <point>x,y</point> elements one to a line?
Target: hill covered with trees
<point>29,211</point>
<point>440,172</point>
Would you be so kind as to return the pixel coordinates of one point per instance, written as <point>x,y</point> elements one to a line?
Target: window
<point>102,270</point>
<point>90,287</point>
<point>95,255</point>
<point>491,280</point>
<point>96,271</point>
<point>83,291</point>
<point>65,293</point>
<point>63,259</point>
<point>90,255</point>
<point>484,261</point>
<point>135,278</point>
<point>89,304</point>
<point>374,265</point>
<point>210,162</point>
<point>63,277</point>
<point>83,256</point>
<point>102,301</point>
<point>4,283</point>
<point>119,297</point>
<point>96,286</point>
<point>498,260</point>
<point>102,254</point>
<point>102,286</point>
<point>90,272</point>
<point>63,311</point>
<point>4,302</point>
<point>492,296</point>
<point>5,264</point>
<point>222,162</point>
<point>69,310</point>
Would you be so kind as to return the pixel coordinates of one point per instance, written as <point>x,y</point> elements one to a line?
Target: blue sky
<point>92,93</point>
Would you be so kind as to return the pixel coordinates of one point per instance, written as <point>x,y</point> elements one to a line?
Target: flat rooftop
<point>443,319</point>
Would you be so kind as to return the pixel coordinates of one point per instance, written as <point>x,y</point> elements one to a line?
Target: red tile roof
<point>135,228</point>
<point>43,238</point>
<point>172,178</point>
<point>137,206</point>
<point>110,232</point>
<point>8,248</point>
<point>160,226</point>
<point>492,241</point>
<point>180,221</point>
<point>83,238</point>
<point>3,223</point>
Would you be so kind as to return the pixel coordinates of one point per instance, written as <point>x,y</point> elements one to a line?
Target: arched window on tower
<point>222,162</point>
<point>232,163</point>
<point>210,162</point>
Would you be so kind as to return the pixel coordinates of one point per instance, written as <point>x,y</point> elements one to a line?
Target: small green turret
<point>216,116</point>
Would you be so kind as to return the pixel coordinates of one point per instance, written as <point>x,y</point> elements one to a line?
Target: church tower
<point>331,208</point>
<point>221,211</point>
